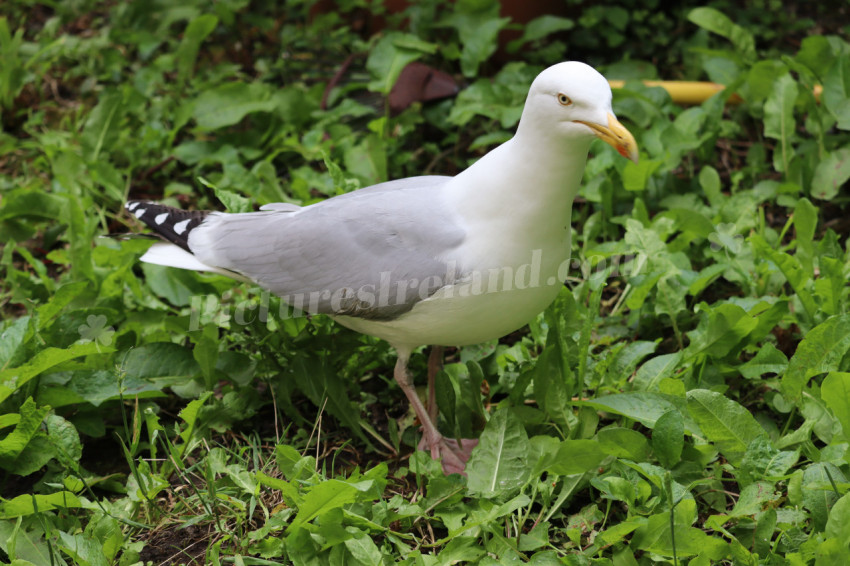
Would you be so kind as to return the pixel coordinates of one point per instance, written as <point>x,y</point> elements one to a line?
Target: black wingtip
<point>171,223</point>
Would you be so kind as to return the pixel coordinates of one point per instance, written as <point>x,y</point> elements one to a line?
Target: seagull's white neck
<point>528,183</point>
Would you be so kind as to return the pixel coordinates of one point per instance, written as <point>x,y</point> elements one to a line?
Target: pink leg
<point>454,460</point>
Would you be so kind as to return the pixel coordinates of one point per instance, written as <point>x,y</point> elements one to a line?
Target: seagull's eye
<point>564,100</point>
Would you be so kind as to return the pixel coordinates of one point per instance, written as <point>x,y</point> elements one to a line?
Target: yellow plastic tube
<point>695,92</point>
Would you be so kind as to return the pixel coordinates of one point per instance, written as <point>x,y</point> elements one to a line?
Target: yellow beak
<point>617,136</point>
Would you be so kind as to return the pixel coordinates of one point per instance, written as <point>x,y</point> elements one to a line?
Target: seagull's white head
<point>572,101</point>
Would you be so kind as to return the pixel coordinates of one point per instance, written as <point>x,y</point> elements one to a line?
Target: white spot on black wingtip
<point>140,212</point>
<point>132,205</point>
<point>160,218</point>
<point>180,227</point>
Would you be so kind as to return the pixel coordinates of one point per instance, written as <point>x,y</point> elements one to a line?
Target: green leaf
<point>477,23</point>
<point>60,299</point>
<point>15,442</point>
<point>65,441</point>
<point>753,499</point>
<point>233,202</point>
<point>12,340</point>
<point>541,26</point>
<point>31,203</point>
<point>818,494</point>
<point>709,180</point>
<point>838,524</point>
<point>836,91</point>
<point>835,392</point>
<point>820,351</point>
<point>650,374</point>
<point>721,331</point>
<point>779,121</point>
<point>655,536</point>
<point>636,175</point>
<point>29,504</point>
<point>229,103</point>
<point>103,125</point>
<point>576,457</point>
<point>717,22</point>
<point>498,466</point>
<point>644,407</point>
<point>831,174</point>
<point>187,52</point>
<point>205,352</point>
<point>160,359</point>
<point>725,423</point>
<point>321,498</point>
<point>767,360</point>
<point>44,360</point>
<point>764,462</point>
<point>623,443</point>
<point>668,438</point>
<point>83,549</point>
<point>391,55</point>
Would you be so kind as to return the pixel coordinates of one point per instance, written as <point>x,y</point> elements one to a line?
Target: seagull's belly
<point>460,315</point>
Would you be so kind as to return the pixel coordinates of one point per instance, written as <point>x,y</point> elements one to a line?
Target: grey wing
<point>373,253</point>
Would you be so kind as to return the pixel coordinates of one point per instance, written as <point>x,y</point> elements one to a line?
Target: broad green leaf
<point>820,351</point>
<point>31,503</point>
<point>364,549</point>
<point>103,126</point>
<point>838,524</point>
<point>15,442</point>
<point>668,438</point>
<point>63,296</point>
<point>623,443</point>
<point>836,91</point>
<point>187,52</point>
<point>65,441</point>
<point>499,464</point>
<point>644,407</point>
<point>477,23</point>
<point>321,498</point>
<point>229,103</point>
<point>816,53</point>
<point>636,175</point>
<point>754,498</point>
<point>835,392</point>
<point>650,374</point>
<point>159,359</point>
<point>779,121</point>
<point>767,360</point>
<point>831,173</point>
<point>764,461</point>
<point>12,340</point>
<point>709,180</point>
<point>576,457</point>
<point>205,352</point>
<point>655,536</point>
<point>725,423</point>
<point>717,22</point>
<point>550,386</point>
<point>44,360</point>
<point>393,52</point>
<point>233,202</point>
<point>30,203</point>
<point>98,386</point>
<point>721,331</point>
<point>540,27</point>
<point>83,549</point>
<point>818,493</point>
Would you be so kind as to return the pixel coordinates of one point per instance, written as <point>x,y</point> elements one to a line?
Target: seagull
<point>429,260</point>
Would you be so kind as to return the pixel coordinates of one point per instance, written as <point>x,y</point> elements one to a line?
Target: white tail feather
<point>170,255</point>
